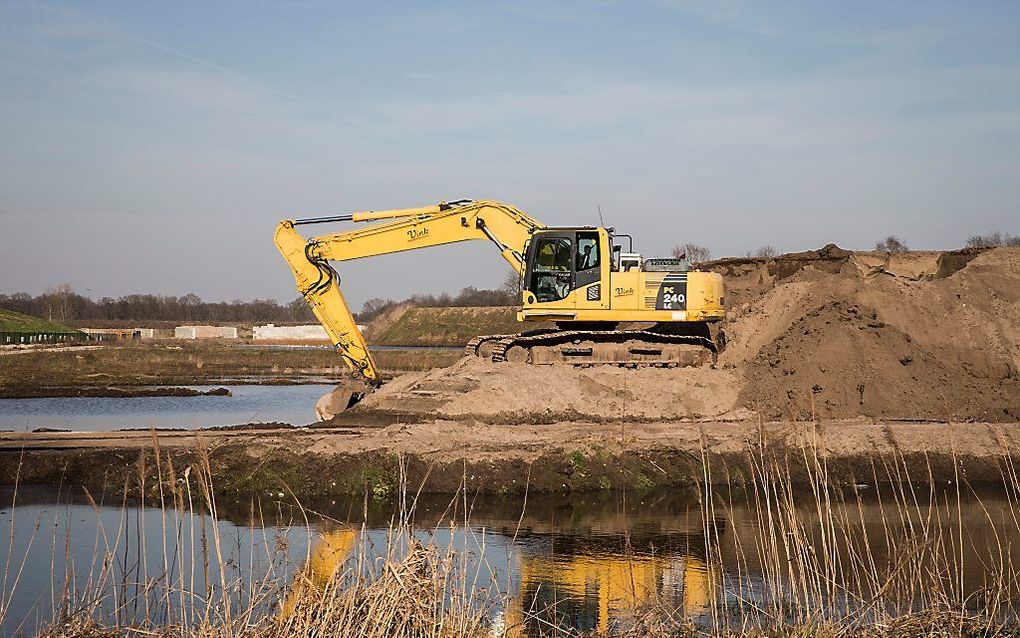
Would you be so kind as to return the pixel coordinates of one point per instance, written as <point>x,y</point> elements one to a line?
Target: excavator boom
<point>508,228</point>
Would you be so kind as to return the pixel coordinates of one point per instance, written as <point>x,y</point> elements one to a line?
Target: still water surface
<point>584,562</point>
<point>292,404</point>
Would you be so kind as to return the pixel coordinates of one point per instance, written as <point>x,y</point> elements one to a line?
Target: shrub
<point>692,252</point>
<point>764,252</point>
<point>993,240</point>
<point>892,244</point>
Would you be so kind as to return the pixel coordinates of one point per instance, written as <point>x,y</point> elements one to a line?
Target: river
<point>586,562</point>
<point>294,404</point>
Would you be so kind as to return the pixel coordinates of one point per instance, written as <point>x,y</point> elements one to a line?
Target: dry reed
<point>820,561</point>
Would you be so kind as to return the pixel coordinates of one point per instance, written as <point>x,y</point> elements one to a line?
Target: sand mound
<point>825,333</point>
<point>476,389</point>
<point>928,335</point>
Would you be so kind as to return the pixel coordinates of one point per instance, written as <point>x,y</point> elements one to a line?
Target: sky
<point>153,147</point>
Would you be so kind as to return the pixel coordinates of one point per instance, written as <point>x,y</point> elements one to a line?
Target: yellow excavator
<point>577,281</point>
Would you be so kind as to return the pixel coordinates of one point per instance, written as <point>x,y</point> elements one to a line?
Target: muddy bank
<point>38,392</point>
<point>490,459</point>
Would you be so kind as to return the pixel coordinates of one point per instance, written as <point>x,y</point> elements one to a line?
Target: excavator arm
<point>508,228</point>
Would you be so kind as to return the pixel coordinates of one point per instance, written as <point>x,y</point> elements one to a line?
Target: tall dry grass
<point>409,588</point>
<point>881,554</point>
<point>832,559</point>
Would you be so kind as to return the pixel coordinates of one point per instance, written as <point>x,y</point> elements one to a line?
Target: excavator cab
<point>564,266</point>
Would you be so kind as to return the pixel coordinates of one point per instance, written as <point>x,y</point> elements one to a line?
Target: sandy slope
<point>824,333</point>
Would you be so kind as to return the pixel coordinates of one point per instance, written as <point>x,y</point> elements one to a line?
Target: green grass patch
<point>16,322</point>
<point>448,326</point>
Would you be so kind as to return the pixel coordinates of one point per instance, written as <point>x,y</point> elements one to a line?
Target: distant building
<point>205,332</point>
<point>111,334</point>
<point>271,332</point>
<point>155,333</point>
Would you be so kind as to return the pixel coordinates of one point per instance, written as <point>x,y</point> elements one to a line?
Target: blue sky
<point>153,146</point>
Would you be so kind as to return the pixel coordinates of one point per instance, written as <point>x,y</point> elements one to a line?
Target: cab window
<point>550,279</point>
<point>587,251</point>
<point>552,255</point>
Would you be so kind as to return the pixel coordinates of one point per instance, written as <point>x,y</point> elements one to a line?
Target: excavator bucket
<point>351,389</point>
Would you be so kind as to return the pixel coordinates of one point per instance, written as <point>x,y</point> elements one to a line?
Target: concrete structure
<point>271,332</point>
<point>155,333</point>
<point>205,332</point>
<point>111,334</point>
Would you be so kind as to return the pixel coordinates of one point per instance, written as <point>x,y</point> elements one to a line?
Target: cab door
<point>550,274</point>
<point>591,270</point>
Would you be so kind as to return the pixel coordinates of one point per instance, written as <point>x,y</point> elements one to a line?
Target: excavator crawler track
<point>473,346</point>
<point>484,346</point>
<point>628,348</point>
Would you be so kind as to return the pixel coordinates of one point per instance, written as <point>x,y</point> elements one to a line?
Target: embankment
<point>455,326</point>
<point>443,456</point>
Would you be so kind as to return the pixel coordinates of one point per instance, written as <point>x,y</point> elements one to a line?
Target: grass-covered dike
<point>11,321</point>
<point>455,326</point>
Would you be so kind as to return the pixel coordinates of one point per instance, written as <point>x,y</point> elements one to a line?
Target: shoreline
<point>116,392</point>
<point>445,456</point>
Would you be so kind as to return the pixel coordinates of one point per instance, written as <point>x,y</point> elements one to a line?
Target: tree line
<point>698,253</point>
<point>507,295</point>
<point>63,304</point>
<point>894,244</point>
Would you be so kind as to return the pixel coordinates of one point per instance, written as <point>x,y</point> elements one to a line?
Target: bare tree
<point>694,253</point>
<point>892,244</point>
<point>764,252</point>
<point>373,308</point>
<point>58,302</point>
<point>985,241</point>
<point>299,310</point>
<point>512,286</point>
<point>992,240</point>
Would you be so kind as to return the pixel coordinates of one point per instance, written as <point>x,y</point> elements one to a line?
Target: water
<point>587,562</point>
<point>294,404</point>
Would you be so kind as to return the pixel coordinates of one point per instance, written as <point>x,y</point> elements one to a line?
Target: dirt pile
<point>825,333</point>
<point>920,335</point>
<point>521,393</point>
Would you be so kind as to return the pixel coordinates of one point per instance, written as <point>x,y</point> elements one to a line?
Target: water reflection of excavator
<point>591,591</point>
<point>585,586</point>
<point>327,554</point>
<point>578,279</point>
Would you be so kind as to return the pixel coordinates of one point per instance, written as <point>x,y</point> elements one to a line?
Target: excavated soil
<point>920,335</point>
<point>521,393</point>
<point>819,334</point>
